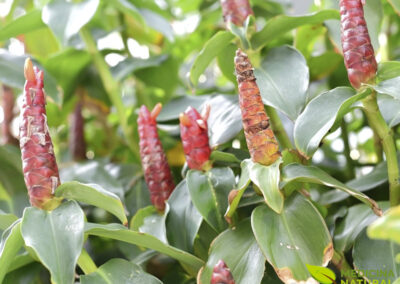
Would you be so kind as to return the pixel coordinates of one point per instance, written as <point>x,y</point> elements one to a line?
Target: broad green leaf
<point>390,109</point>
<point>66,18</point>
<point>210,50</point>
<point>322,274</point>
<point>10,243</point>
<point>129,65</point>
<point>148,220</point>
<point>389,87</point>
<point>377,258</point>
<point>44,48</point>
<point>297,172</point>
<point>127,7</point>
<point>358,217</point>
<point>388,70</point>
<point>6,219</point>
<point>281,24</point>
<point>225,157</point>
<point>158,22</point>
<point>387,227</point>
<point>266,178</point>
<point>292,239</point>
<point>283,77</point>
<point>239,250</point>
<point>330,106</point>
<point>121,233</point>
<point>119,271</point>
<point>21,260</point>
<point>177,105</point>
<point>396,5</point>
<point>323,65</point>
<point>12,74</point>
<point>377,177</point>
<point>226,63</point>
<point>209,193</point>
<point>29,22</point>
<point>138,197</point>
<point>183,221</point>
<point>95,195</point>
<point>56,237</point>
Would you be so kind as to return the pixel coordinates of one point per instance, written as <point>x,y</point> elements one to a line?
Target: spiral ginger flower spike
<point>262,144</point>
<point>194,135</point>
<point>38,159</point>
<point>156,169</point>
<point>221,274</point>
<point>358,52</point>
<point>236,11</point>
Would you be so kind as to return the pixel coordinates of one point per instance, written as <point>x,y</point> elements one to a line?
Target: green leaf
<point>183,221</point>
<point>118,232</point>
<point>6,219</point>
<point>292,239</point>
<point>148,220</point>
<point>330,106</point>
<point>26,23</point>
<point>396,5</point>
<point>281,24</point>
<point>390,109</point>
<point>66,18</point>
<point>130,65</point>
<point>387,227</point>
<point>210,50</point>
<point>323,65</point>
<point>119,271</point>
<point>388,70</point>
<point>239,250</point>
<point>266,178</point>
<point>322,274</point>
<point>41,49</point>
<point>377,258</point>
<point>126,7</point>
<point>95,195</point>
<point>297,172</point>
<point>226,63</point>
<point>177,105</point>
<point>209,193</point>
<point>389,87</point>
<point>358,217</point>
<point>158,22</point>
<point>10,244</point>
<point>283,77</point>
<point>56,237</point>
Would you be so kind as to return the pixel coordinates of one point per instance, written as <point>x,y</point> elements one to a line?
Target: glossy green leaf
<point>10,243</point>
<point>266,178</point>
<point>377,258</point>
<point>119,271</point>
<point>283,77</point>
<point>297,172</point>
<point>66,18</point>
<point>137,197</point>
<point>95,195</point>
<point>226,64</point>
<point>322,274</point>
<point>158,22</point>
<point>389,87</point>
<point>210,50</point>
<point>26,23</point>
<point>148,220</point>
<point>387,227</point>
<point>129,65</point>
<point>183,221</point>
<point>56,237</point>
<point>390,109</point>
<point>330,106</point>
<point>44,48</point>
<point>292,239</point>
<point>6,219</point>
<point>388,70</point>
<point>358,217</point>
<point>241,253</point>
<point>323,65</point>
<point>118,232</point>
<point>177,105</point>
<point>281,24</point>
<point>209,193</point>
<point>21,260</point>
<point>219,156</point>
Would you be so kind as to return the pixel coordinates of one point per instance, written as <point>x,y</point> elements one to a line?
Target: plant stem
<point>340,262</point>
<point>86,263</point>
<point>378,148</point>
<point>349,160</point>
<point>385,135</point>
<point>111,87</point>
<point>278,128</point>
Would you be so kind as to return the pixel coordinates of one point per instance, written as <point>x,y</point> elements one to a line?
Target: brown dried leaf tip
<point>358,52</point>
<point>38,159</point>
<point>236,11</point>
<point>262,144</point>
<point>155,166</point>
<point>221,274</point>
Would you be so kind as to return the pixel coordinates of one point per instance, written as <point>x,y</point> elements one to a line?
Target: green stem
<point>378,148</point>
<point>86,263</point>
<point>111,87</point>
<point>343,266</point>
<point>349,160</point>
<point>385,135</point>
<point>278,128</point>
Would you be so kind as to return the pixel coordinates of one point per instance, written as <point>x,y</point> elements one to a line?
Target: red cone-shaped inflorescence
<point>221,274</point>
<point>77,142</point>
<point>8,110</point>
<point>358,52</point>
<point>194,136</point>
<point>156,169</point>
<point>263,147</point>
<point>236,11</point>
<point>38,160</point>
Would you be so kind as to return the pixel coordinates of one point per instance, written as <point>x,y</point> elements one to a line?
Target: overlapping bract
<point>221,274</point>
<point>155,165</point>
<point>236,11</point>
